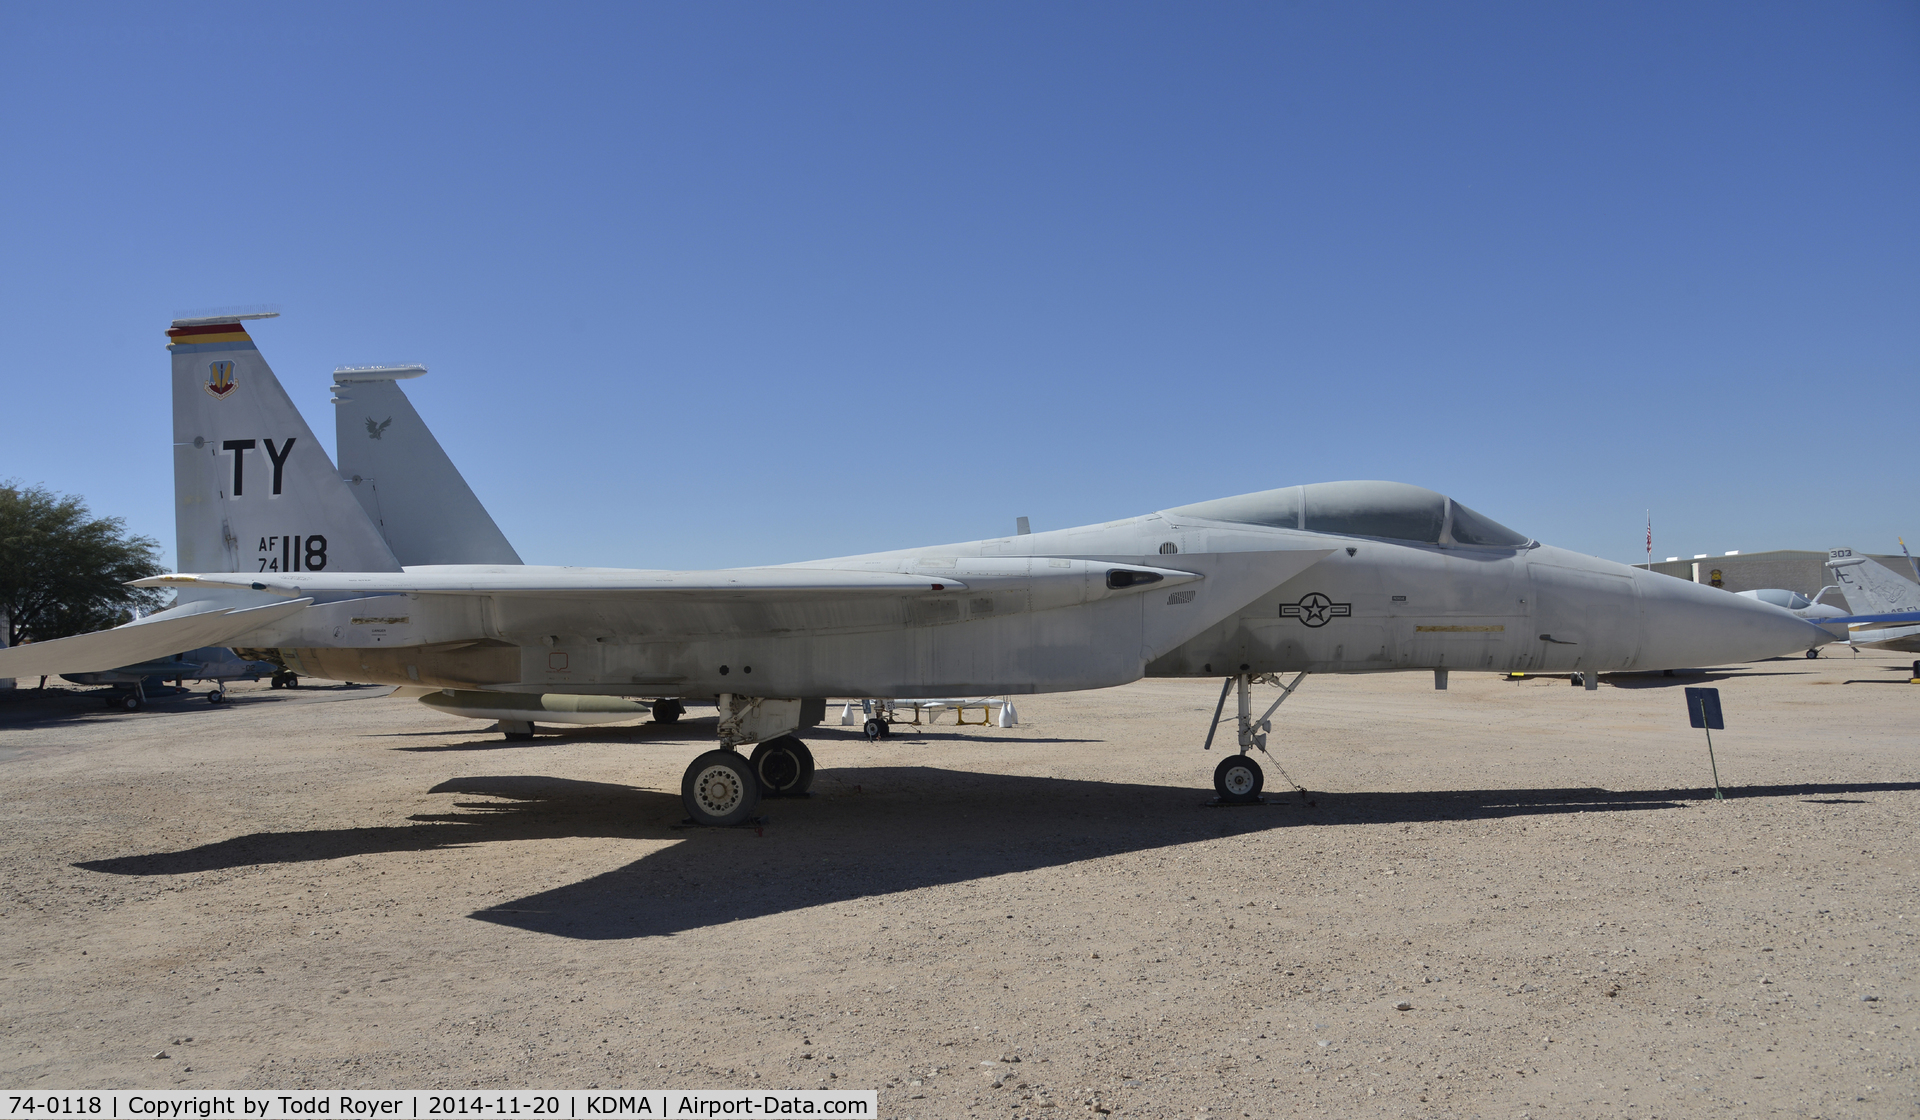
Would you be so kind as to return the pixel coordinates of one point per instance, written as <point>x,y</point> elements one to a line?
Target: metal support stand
<point>1717,795</point>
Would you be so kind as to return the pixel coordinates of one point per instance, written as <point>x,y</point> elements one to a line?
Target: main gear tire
<point>720,789</point>
<point>784,767</point>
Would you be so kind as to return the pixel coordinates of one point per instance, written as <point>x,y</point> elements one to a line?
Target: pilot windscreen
<point>1472,528</point>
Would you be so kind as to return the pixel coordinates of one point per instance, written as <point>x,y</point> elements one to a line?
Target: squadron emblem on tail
<point>220,380</point>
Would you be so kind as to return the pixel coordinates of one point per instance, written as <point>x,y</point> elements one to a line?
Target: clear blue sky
<point>711,284</point>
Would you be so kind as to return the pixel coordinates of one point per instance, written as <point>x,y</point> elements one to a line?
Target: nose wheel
<point>1238,780</point>
<point>720,789</point>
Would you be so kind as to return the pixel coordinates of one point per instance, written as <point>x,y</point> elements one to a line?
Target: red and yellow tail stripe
<point>210,336</point>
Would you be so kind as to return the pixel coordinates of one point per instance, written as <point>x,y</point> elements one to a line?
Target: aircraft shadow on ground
<point>865,833</point>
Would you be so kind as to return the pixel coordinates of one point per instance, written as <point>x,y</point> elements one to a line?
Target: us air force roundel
<point>1315,609</point>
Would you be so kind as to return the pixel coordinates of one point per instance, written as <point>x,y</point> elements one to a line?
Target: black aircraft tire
<point>668,711</point>
<point>1238,779</point>
<point>784,767</point>
<point>719,789</point>
<point>874,729</point>
<point>1812,653</point>
<point>129,703</point>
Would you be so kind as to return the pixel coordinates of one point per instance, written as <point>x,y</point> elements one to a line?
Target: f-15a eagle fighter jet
<point>1333,577</point>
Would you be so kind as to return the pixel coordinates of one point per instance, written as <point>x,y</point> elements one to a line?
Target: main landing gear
<point>719,789</point>
<point>784,767</point>
<point>1238,779</point>
<point>722,788</point>
<point>668,711</point>
<point>131,699</point>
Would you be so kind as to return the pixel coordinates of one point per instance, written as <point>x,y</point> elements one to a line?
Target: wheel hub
<point>1239,781</point>
<point>719,790</point>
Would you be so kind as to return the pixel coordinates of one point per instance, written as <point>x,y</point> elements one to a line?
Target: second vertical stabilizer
<point>403,477</point>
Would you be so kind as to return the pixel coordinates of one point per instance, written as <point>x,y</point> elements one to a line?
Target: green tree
<point>64,571</point>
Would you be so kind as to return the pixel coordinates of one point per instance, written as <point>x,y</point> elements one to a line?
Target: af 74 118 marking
<point>293,553</point>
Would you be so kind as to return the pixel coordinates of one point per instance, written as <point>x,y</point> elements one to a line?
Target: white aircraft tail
<point>404,479</point>
<point>253,488</point>
<point>1869,586</point>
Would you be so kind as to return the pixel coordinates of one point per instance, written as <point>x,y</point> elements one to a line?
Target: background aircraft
<point>208,663</point>
<point>1878,602</point>
<point>1802,606</point>
<point>1328,577</point>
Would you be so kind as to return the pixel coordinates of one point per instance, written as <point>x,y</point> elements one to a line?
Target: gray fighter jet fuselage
<point>1183,592</point>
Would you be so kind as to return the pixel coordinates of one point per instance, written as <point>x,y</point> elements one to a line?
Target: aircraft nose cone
<point>1689,624</point>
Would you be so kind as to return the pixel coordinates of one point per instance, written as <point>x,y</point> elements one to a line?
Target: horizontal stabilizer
<point>139,641</point>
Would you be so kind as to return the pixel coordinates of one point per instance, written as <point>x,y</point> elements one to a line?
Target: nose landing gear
<point>1238,779</point>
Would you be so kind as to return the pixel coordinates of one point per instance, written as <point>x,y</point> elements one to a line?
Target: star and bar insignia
<point>1314,609</point>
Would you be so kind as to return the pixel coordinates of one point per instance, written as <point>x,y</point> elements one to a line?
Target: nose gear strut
<point>1238,778</point>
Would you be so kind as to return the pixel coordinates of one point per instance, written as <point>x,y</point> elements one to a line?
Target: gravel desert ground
<point>333,888</point>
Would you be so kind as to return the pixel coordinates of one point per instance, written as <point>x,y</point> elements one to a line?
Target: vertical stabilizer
<point>1869,586</point>
<point>253,489</point>
<point>404,479</point>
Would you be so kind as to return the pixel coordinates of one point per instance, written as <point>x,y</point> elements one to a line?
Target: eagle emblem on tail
<point>375,427</point>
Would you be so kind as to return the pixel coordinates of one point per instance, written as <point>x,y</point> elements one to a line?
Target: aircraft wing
<point>730,583</point>
<point>144,640</point>
<point>562,583</point>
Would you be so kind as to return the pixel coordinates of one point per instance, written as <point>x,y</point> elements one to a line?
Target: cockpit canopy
<point>1780,597</point>
<point>1392,510</point>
